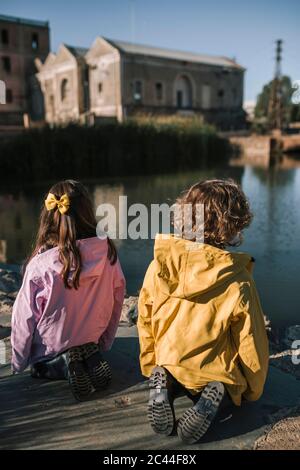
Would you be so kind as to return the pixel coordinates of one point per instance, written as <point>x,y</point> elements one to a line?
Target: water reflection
<point>18,221</point>
<point>273,238</point>
<point>3,255</point>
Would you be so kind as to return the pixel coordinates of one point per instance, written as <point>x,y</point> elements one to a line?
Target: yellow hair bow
<point>62,204</point>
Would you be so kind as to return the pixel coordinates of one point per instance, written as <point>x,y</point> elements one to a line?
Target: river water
<point>273,238</point>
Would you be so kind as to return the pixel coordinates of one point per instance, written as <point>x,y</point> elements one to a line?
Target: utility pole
<point>275,102</point>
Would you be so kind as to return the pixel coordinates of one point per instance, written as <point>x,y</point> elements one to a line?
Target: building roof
<point>77,51</point>
<point>138,49</point>
<point>14,19</point>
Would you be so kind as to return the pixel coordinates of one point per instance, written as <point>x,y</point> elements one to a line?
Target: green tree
<point>290,112</point>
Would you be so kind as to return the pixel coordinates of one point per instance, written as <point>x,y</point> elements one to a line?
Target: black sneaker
<point>97,368</point>
<point>37,371</point>
<point>160,406</point>
<point>78,377</point>
<point>196,420</point>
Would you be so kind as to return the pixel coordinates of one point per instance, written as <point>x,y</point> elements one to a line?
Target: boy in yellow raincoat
<point>200,321</point>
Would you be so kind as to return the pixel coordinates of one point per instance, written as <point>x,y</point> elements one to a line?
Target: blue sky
<point>246,30</point>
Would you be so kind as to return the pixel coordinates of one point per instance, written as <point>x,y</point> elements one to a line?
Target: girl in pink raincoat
<point>70,302</point>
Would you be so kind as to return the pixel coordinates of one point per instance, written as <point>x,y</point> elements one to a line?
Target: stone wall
<point>255,148</point>
<point>104,63</point>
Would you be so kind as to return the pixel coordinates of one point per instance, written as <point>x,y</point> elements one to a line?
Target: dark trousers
<point>178,390</point>
<point>53,369</point>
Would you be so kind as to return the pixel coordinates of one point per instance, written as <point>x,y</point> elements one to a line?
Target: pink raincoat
<point>49,319</point>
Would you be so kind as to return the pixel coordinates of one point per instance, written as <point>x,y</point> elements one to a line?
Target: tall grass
<point>143,145</point>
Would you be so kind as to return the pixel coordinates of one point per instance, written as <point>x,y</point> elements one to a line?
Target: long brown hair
<point>226,210</point>
<point>62,230</point>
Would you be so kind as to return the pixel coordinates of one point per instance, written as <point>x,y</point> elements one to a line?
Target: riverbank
<point>112,149</point>
<point>43,415</point>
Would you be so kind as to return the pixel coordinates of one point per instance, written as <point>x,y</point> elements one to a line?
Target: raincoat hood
<point>188,269</point>
<point>93,255</point>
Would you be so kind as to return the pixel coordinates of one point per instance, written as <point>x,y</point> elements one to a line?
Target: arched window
<point>183,92</point>
<point>137,91</point>
<point>4,36</point>
<point>64,89</point>
<point>35,41</point>
<point>159,91</point>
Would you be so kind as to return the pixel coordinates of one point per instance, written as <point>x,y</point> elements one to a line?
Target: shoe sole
<point>196,420</point>
<point>98,369</point>
<point>79,380</point>
<point>100,375</point>
<point>160,410</point>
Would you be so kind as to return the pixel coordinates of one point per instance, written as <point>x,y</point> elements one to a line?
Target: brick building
<point>21,42</point>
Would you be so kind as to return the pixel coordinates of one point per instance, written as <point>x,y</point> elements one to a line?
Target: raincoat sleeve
<point>250,337</point>
<point>26,313</point>
<point>109,334</point>
<point>144,323</point>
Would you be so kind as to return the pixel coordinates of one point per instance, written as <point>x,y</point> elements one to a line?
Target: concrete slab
<point>38,414</point>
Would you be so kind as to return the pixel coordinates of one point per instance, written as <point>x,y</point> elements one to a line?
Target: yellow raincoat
<point>200,318</point>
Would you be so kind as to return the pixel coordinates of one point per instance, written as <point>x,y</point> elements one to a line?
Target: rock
<point>122,402</point>
<point>273,336</point>
<point>6,299</point>
<point>286,355</point>
<point>5,332</point>
<point>129,310</point>
<point>292,334</point>
<point>267,323</point>
<point>287,361</point>
<point>6,303</point>
<point>10,281</point>
<point>284,435</point>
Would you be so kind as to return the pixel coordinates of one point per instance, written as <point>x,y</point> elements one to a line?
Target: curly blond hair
<point>226,210</point>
